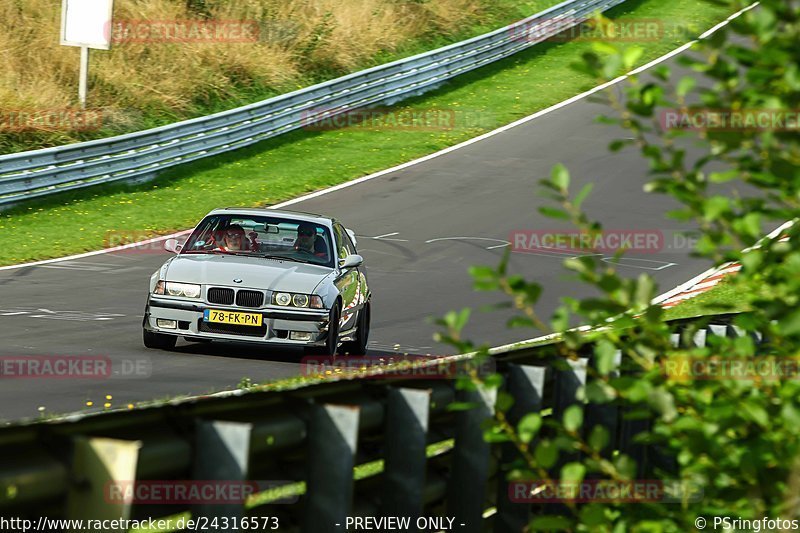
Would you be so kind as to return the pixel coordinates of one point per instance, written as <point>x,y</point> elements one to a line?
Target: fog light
<point>300,336</point>
<point>167,324</point>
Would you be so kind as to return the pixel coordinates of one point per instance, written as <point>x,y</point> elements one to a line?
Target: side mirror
<point>172,245</point>
<point>352,236</point>
<point>351,261</point>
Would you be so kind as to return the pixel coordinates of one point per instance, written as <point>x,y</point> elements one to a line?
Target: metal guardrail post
<point>404,467</point>
<point>605,415</point>
<point>104,476</point>
<point>526,384</point>
<point>222,453</point>
<point>567,383</point>
<point>466,491</point>
<point>333,437</point>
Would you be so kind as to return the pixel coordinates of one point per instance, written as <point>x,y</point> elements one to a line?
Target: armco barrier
<point>312,437</point>
<point>138,156</point>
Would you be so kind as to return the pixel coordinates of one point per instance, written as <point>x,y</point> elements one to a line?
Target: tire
<point>332,343</point>
<point>158,341</point>
<point>358,346</point>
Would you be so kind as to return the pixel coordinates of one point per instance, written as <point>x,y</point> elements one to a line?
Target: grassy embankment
<point>303,161</point>
<point>268,47</point>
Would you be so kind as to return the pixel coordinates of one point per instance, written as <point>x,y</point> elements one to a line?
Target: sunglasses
<point>306,233</point>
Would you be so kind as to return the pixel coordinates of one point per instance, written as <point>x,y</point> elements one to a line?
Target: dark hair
<point>305,228</point>
<point>235,227</point>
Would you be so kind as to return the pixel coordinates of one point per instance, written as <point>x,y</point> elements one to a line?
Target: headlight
<point>185,290</point>
<point>297,300</point>
<point>281,298</point>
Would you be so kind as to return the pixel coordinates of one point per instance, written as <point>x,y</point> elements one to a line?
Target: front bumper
<point>276,328</point>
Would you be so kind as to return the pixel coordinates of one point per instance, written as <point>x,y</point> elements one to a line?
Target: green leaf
<point>722,177</point>
<point>550,523</point>
<point>482,272</point>
<point>560,177</point>
<point>573,473</point>
<point>585,191</point>
<point>605,354</point>
<point>599,438</point>
<point>602,47</point>
<point>715,206</point>
<point>504,401</point>
<point>546,454</point>
<point>631,55</point>
<point>686,84</point>
<point>755,413</point>
<point>625,466</point>
<point>573,418</point>
<point>552,212</point>
<point>529,426</point>
<point>645,291</point>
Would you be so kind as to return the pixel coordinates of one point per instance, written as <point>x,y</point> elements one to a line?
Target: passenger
<point>305,238</point>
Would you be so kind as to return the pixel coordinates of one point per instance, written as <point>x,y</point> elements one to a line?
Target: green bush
<point>737,440</point>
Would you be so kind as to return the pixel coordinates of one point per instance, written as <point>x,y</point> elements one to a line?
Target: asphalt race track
<point>419,229</point>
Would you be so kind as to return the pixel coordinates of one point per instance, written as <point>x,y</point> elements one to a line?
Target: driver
<point>234,239</point>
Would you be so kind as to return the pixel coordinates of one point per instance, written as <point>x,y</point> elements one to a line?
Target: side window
<point>341,249</point>
<point>344,245</point>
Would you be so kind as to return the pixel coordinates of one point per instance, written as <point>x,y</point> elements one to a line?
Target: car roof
<point>266,211</point>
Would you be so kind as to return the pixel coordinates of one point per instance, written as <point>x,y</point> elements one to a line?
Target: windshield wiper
<point>221,252</point>
<point>285,258</point>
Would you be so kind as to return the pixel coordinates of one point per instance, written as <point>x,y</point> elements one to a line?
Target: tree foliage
<point>737,440</point>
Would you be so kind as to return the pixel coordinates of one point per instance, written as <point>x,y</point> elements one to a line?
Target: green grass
<point>725,297</point>
<point>304,161</point>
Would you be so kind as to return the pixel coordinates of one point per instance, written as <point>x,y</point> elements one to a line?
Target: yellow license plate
<point>232,317</point>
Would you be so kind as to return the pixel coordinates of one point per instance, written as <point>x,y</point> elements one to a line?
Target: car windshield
<point>262,236</point>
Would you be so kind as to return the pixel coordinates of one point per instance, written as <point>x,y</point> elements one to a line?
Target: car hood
<point>255,272</point>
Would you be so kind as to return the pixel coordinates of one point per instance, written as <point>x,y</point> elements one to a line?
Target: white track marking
<point>621,262</point>
<point>505,243</point>
<point>384,237</point>
<point>440,153</point>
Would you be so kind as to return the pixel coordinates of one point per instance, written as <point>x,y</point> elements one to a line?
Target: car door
<point>348,281</point>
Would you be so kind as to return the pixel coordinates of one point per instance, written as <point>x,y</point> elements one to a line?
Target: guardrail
<point>313,438</point>
<point>140,156</point>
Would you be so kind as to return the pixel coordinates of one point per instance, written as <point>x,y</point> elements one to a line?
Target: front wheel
<point>358,346</point>
<point>332,344</point>
<point>158,341</point>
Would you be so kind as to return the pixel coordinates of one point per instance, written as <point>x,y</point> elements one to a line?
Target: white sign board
<point>86,23</point>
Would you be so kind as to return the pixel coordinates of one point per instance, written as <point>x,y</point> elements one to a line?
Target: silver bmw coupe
<point>259,275</point>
